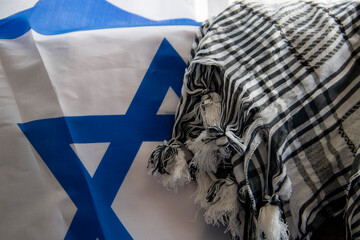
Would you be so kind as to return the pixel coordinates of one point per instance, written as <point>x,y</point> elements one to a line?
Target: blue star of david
<point>93,196</point>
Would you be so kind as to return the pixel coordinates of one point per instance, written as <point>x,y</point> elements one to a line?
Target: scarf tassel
<point>168,164</point>
<point>270,225</point>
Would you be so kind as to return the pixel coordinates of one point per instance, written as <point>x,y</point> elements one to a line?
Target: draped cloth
<point>268,121</point>
<point>87,89</point>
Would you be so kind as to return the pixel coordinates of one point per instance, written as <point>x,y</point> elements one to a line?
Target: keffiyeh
<point>268,123</point>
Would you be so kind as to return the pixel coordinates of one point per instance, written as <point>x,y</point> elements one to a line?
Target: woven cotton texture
<point>268,119</point>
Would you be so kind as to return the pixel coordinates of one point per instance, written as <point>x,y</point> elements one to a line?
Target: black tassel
<point>163,155</point>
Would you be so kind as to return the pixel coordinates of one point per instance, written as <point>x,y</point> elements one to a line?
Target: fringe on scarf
<point>219,195</point>
<point>168,163</point>
<point>209,149</point>
<point>210,109</point>
<point>270,225</point>
<point>224,205</point>
<point>219,199</point>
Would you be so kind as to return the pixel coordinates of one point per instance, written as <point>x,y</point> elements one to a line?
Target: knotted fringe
<point>204,182</point>
<point>270,225</point>
<point>209,149</point>
<point>168,164</point>
<point>219,199</point>
<point>224,207</point>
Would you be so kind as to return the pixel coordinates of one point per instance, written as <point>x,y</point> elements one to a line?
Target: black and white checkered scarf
<point>269,122</point>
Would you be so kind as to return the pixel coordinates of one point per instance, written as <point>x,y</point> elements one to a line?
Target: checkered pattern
<point>353,206</point>
<point>287,75</point>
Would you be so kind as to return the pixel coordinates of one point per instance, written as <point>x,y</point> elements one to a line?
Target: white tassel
<point>234,224</point>
<point>209,149</point>
<point>203,184</point>
<point>271,224</point>
<point>178,175</point>
<point>225,208</point>
<point>210,109</point>
<point>205,154</point>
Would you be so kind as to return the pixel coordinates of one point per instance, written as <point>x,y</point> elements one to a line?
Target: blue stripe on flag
<point>50,17</point>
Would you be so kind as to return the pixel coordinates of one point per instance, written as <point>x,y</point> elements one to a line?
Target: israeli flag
<point>87,89</point>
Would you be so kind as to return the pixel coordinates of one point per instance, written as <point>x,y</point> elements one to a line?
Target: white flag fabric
<point>87,89</point>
